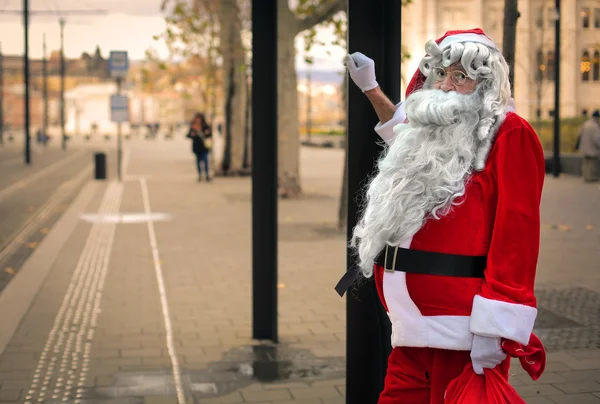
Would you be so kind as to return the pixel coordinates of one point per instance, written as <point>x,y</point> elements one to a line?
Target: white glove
<point>486,353</point>
<point>362,71</point>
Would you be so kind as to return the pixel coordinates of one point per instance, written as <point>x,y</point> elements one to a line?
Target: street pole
<point>45,88</point>
<point>509,38</point>
<point>62,84</point>
<point>119,144</point>
<point>1,96</point>
<point>556,151</point>
<point>264,171</point>
<point>373,28</point>
<point>26,78</point>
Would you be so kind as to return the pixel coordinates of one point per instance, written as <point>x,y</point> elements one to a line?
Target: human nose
<point>447,84</point>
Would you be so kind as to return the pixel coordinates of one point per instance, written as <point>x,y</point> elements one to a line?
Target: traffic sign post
<point>118,66</point>
<point>119,108</point>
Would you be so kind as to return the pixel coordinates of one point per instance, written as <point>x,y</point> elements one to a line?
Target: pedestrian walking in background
<point>590,147</point>
<point>201,136</point>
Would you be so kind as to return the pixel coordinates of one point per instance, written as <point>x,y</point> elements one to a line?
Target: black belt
<point>421,262</point>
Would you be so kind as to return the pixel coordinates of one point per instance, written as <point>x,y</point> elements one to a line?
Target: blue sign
<point>119,108</point>
<point>118,64</point>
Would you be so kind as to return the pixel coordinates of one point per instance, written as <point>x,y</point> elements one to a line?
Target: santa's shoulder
<point>515,136</point>
<point>514,128</point>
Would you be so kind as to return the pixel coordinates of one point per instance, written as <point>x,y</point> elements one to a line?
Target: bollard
<point>100,163</point>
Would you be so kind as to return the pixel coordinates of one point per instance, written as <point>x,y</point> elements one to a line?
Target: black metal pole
<point>1,97</point>
<point>119,141</point>
<point>45,88</point>
<point>62,84</point>
<point>264,170</point>
<point>373,29</point>
<point>509,37</point>
<point>26,78</point>
<point>556,151</point>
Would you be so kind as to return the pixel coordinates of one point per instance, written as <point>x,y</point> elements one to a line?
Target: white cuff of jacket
<point>386,130</point>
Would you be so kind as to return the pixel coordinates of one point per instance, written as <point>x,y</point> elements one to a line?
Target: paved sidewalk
<point>125,299</point>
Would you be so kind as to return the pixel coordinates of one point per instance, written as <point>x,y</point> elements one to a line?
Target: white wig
<point>489,68</point>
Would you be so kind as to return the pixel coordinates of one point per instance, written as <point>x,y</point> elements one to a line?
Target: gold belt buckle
<point>392,269</point>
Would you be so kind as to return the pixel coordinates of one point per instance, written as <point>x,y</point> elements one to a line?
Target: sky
<point>127,25</point>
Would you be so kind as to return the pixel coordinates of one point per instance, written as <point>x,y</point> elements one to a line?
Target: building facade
<point>534,65</point>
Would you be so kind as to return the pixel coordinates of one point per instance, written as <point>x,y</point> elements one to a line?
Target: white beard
<point>423,172</point>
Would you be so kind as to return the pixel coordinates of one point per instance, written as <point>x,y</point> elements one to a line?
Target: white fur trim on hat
<point>468,37</point>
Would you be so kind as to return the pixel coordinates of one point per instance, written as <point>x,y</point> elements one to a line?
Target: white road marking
<point>124,217</point>
<point>163,295</point>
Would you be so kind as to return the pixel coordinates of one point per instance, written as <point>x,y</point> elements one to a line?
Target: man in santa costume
<point>450,228</point>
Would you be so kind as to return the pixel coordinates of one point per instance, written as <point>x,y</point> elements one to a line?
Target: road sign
<point>119,108</point>
<point>118,64</point>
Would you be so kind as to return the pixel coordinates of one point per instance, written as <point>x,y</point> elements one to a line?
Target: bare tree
<point>305,17</point>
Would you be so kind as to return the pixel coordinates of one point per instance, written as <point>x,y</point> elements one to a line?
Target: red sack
<point>471,388</point>
<point>491,387</point>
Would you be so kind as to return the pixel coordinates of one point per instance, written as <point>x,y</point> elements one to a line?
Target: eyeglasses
<point>458,77</point>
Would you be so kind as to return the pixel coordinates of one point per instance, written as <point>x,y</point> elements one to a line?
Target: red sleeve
<point>506,305</point>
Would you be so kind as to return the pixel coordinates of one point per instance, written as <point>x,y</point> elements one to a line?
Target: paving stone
<point>556,367</point>
<point>575,399</point>
<point>334,400</point>
<point>579,387</point>
<point>16,384</point>
<point>585,364</point>
<point>160,400</point>
<point>538,400</point>
<point>266,395</point>
<point>10,395</point>
<point>537,390</point>
<point>546,378</point>
<point>581,375</point>
<point>284,385</point>
<point>234,397</point>
<point>142,353</point>
<point>314,392</point>
<point>105,380</point>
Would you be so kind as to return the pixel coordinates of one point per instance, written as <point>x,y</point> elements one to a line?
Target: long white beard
<point>423,172</point>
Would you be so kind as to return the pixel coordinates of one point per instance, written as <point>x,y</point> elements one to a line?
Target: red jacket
<point>500,218</point>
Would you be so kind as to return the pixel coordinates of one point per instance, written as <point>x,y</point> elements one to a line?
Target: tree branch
<point>321,14</point>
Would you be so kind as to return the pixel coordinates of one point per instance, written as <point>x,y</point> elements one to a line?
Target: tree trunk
<point>247,161</point>
<point>509,39</point>
<point>234,76</point>
<point>289,138</point>
<point>343,208</point>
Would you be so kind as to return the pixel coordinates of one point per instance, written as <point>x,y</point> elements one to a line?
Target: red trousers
<point>421,375</point>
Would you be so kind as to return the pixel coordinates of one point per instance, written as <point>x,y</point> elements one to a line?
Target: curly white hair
<point>489,68</point>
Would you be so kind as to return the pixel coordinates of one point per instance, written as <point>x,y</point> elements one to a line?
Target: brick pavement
<point>113,347</point>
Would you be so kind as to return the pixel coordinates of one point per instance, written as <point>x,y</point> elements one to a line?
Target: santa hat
<point>450,37</point>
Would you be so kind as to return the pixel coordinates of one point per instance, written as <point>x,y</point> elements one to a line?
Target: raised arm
<point>362,72</point>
